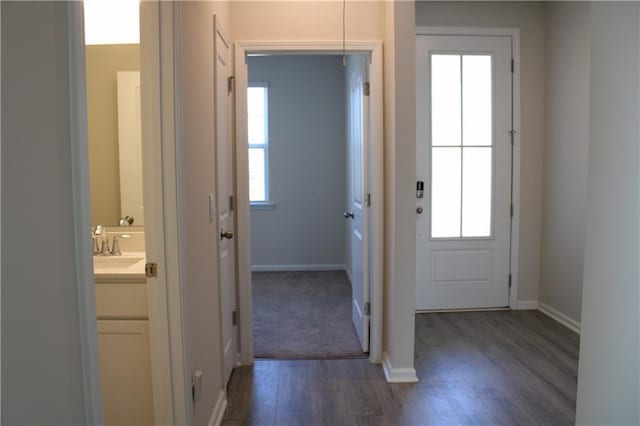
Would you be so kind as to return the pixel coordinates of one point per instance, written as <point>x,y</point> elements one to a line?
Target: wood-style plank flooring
<point>486,368</point>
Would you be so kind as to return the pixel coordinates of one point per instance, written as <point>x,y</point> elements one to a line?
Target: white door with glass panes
<point>464,159</point>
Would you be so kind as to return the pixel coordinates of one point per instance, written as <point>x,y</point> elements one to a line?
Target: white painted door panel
<point>463,157</point>
<point>224,164</point>
<point>357,212</point>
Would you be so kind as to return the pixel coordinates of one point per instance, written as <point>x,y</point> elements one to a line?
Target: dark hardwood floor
<point>487,368</point>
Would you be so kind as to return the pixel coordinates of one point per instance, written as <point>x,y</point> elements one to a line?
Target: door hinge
<point>512,133</point>
<point>513,65</point>
<point>234,317</point>
<point>509,280</point>
<point>151,270</point>
<point>230,84</point>
<point>365,88</point>
<point>231,202</point>
<point>511,210</point>
<point>367,199</point>
<point>367,308</point>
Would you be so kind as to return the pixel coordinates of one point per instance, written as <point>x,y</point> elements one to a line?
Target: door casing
<point>376,149</point>
<point>171,381</point>
<point>514,33</point>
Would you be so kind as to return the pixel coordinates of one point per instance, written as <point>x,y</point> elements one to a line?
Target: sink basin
<point>115,262</point>
<point>129,264</point>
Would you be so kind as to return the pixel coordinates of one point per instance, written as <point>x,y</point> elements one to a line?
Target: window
<point>258,130</point>
<point>461,145</point>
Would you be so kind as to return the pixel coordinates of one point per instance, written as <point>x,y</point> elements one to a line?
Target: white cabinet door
<point>464,150</point>
<point>125,372</point>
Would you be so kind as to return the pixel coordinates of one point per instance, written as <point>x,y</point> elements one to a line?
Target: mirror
<point>113,115</point>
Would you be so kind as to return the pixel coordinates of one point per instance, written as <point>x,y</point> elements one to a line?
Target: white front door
<point>224,164</point>
<point>464,159</point>
<point>357,212</point>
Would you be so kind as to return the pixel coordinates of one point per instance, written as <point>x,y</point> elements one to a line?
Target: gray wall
<point>42,380</point>
<point>529,18</point>
<point>306,162</point>
<point>609,372</point>
<point>567,79</point>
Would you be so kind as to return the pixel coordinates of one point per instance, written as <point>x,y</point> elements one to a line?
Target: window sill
<point>263,205</point>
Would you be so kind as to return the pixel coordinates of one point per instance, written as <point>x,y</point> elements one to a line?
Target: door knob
<point>228,234</point>
<point>348,215</point>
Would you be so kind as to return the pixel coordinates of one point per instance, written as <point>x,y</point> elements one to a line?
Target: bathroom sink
<point>130,263</point>
<point>115,262</point>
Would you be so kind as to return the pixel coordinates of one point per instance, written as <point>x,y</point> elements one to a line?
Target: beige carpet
<point>303,315</point>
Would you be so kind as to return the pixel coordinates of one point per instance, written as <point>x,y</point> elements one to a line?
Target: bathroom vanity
<point>123,339</point>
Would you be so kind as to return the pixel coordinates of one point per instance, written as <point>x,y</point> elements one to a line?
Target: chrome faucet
<point>115,248</point>
<point>98,235</point>
<point>115,245</point>
<point>101,241</point>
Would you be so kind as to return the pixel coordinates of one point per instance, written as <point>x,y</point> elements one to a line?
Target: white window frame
<point>265,204</point>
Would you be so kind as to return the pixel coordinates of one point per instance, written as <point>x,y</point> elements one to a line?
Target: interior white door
<point>130,145</point>
<point>224,165</point>
<point>357,212</point>
<point>464,158</point>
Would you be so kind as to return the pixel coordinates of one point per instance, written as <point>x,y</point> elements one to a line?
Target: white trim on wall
<point>218,410</point>
<point>514,33</point>
<point>284,268</point>
<point>82,216</point>
<point>526,305</point>
<point>398,375</point>
<point>171,400</point>
<point>560,317</point>
<point>374,49</point>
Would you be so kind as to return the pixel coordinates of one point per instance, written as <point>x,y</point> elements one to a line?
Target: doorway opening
<point>112,52</point>
<point>306,120</point>
<point>117,84</point>
<point>307,137</point>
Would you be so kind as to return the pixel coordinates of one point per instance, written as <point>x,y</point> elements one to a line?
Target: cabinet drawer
<point>121,301</point>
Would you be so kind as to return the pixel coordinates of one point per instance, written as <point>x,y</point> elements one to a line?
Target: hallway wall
<point>609,371</point>
<point>201,285</point>
<point>42,366</point>
<point>566,156</point>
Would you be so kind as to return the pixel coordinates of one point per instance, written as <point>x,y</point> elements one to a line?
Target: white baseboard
<point>560,317</point>
<point>218,410</point>
<point>398,375</point>
<point>278,268</point>
<point>525,305</point>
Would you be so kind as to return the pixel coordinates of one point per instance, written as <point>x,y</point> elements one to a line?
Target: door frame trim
<point>514,33</point>
<point>87,322</point>
<point>170,379</point>
<point>376,150</point>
